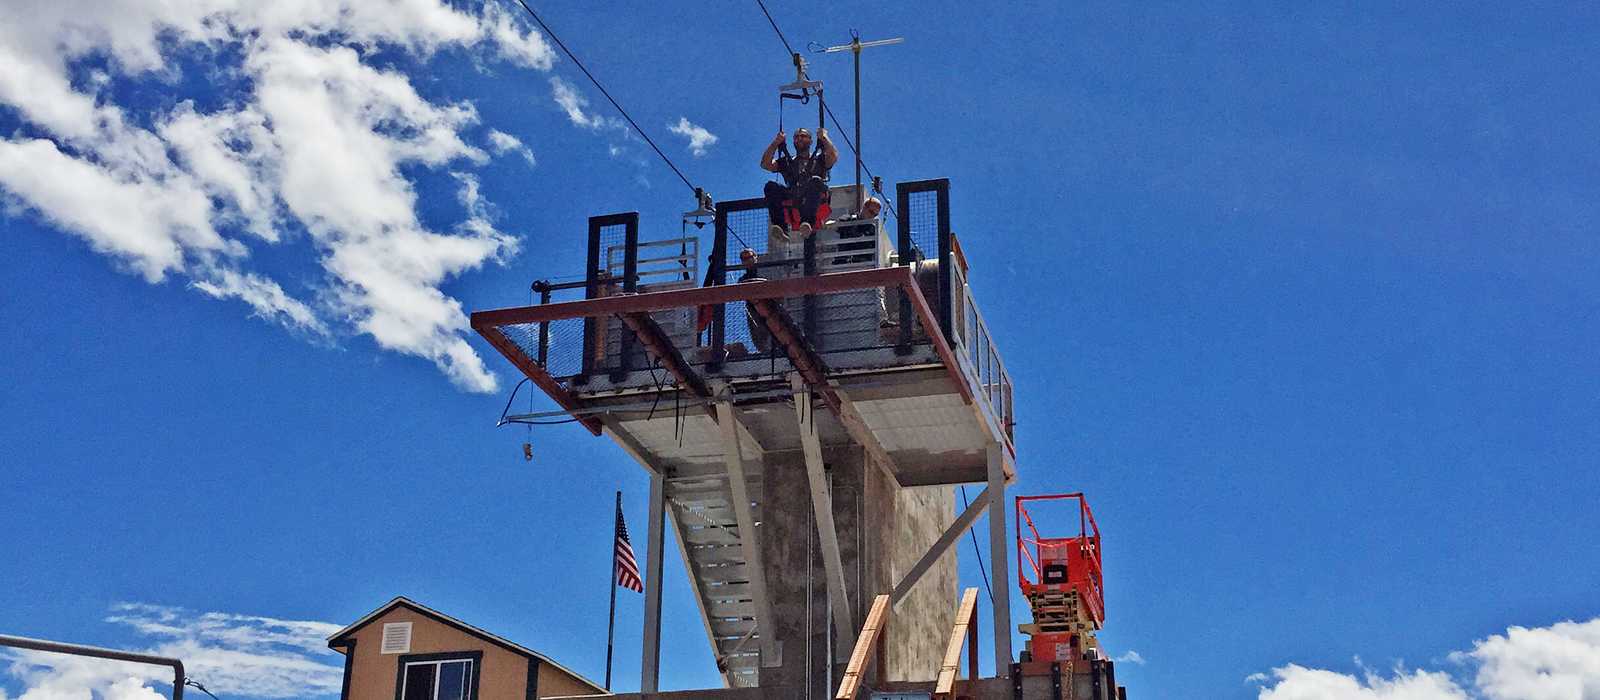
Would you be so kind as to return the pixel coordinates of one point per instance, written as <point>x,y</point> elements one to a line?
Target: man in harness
<point>794,205</point>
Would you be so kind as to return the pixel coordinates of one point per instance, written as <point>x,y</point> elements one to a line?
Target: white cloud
<point>148,222</point>
<point>264,296</point>
<point>574,104</point>
<point>1559,662</point>
<point>1130,657</point>
<point>523,48</point>
<point>699,138</point>
<point>1295,682</point>
<point>502,143</point>
<point>315,144</point>
<point>231,654</point>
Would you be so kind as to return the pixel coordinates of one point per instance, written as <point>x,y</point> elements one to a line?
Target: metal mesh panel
<point>566,348</point>
<point>609,255</point>
<point>747,227</point>
<point>924,242</point>
<point>922,215</point>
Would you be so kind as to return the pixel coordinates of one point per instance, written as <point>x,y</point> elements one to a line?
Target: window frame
<point>474,670</point>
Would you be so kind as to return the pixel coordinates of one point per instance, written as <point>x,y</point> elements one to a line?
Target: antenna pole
<point>855,48</point>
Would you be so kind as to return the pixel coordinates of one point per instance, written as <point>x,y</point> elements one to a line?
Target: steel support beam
<point>958,528</point>
<point>822,508</point>
<point>650,666</point>
<point>861,432</point>
<point>999,558</point>
<point>739,489</point>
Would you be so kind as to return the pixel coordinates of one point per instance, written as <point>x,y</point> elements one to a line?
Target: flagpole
<point>611,623</point>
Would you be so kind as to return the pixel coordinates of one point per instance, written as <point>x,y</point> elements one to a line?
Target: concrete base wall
<point>920,625</point>
<point>1078,687</point>
<point>883,530</point>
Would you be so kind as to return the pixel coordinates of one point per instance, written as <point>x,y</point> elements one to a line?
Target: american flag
<point>625,567</point>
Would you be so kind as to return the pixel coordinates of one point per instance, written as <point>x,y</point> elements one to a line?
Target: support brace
<point>738,488</point>
<point>822,508</point>
<point>958,528</point>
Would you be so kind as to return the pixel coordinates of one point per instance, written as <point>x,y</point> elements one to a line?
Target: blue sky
<point>1303,298</point>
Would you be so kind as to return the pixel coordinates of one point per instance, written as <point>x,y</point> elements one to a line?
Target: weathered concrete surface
<point>920,625</point>
<point>1033,688</point>
<point>883,531</point>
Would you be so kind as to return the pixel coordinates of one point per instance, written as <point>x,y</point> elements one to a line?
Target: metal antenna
<point>854,47</point>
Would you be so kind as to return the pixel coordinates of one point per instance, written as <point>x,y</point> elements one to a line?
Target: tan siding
<point>553,682</point>
<point>503,675</point>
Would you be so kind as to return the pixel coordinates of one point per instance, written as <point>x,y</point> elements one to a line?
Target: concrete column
<point>650,666</point>
<point>1000,560</point>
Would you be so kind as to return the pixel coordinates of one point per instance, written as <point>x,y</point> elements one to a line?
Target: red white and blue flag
<point>625,567</point>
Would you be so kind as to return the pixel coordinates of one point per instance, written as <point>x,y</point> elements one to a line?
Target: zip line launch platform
<point>803,406</point>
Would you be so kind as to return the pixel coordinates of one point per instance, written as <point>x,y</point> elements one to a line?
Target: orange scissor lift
<point>1065,590</point>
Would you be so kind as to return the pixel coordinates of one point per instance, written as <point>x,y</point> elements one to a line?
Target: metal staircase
<point>708,533</point>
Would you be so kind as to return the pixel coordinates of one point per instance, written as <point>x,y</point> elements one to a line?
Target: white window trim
<point>471,669</point>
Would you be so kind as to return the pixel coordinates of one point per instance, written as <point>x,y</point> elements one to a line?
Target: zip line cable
<point>609,98</point>
<point>825,107</point>
<point>982,569</point>
<point>864,168</point>
<point>775,28</point>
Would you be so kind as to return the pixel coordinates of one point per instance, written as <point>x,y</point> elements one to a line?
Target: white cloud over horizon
<point>1558,662</point>
<point>699,138</point>
<point>314,145</point>
<point>231,654</point>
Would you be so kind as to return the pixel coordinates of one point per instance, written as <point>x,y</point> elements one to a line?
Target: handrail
<point>101,653</point>
<point>963,632</point>
<point>868,645</point>
<point>987,373</point>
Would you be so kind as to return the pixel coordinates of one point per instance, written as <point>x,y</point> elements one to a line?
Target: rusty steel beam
<point>698,296</point>
<point>535,372</point>
<point>660,347</point>
<point>810,365</point>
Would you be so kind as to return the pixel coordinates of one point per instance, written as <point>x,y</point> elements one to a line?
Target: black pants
<point>806,196</point>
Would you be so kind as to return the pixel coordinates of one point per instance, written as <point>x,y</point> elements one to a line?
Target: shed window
<point>449,679</point>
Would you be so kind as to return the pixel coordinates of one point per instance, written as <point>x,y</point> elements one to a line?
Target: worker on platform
<point>794,205</point>
<point>758,330</point>
<point>870,209</point>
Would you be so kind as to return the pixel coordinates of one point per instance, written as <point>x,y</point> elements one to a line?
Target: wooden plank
<point>966,624</point>
<point>867,644</point>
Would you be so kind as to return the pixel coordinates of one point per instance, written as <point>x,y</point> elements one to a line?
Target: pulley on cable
<point>801,90</point>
